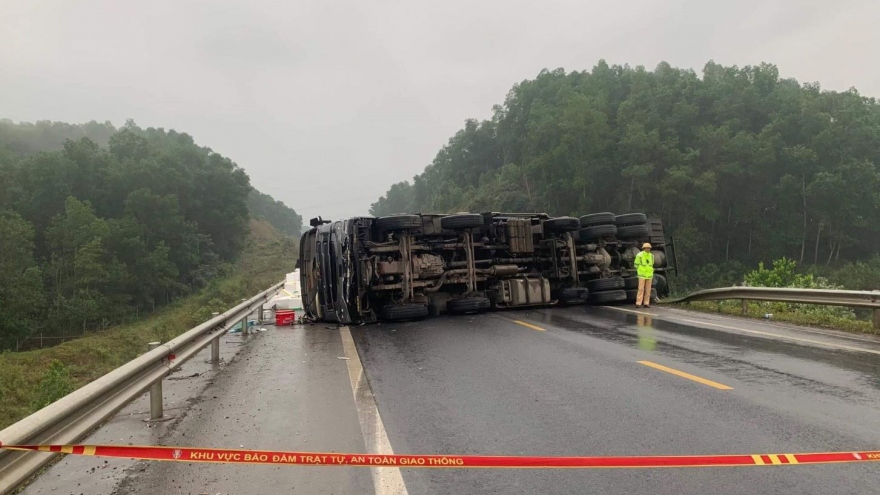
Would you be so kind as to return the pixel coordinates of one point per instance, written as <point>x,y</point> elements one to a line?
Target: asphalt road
<point>563,381</point>
<point>570,382</point>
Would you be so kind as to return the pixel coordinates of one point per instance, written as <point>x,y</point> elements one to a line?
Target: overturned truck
<point>401,267</point>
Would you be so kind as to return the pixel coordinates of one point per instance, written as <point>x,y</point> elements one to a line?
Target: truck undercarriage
<point>400,267</point>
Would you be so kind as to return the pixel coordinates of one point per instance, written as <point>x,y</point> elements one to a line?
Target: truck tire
<point>630,219</point>
<point>398,312</point>
<point>631,283</point>
<point>468,305</point>
<point>633,232</point>
<point>631,295</point>
<point>597,232</point>
<point>562,224</point>
<point>597,219</point>
<point>605,284</point>
<point>573,295</point>
<point>464,221</point>
<point>399,222</point>
<point>608,297</point>
<point>659,282</point>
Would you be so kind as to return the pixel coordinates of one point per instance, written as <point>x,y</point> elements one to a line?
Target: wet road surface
<point>569,381</point>
<point>566,381</point>
<point>283,389</point>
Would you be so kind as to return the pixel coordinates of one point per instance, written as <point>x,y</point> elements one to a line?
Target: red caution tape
<point>233,456</point>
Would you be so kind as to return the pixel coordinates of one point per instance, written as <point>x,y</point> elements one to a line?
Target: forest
<point>742,164</point>
<point>100,225</point>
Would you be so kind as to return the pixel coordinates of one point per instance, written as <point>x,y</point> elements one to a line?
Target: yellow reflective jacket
<point>644,264</point>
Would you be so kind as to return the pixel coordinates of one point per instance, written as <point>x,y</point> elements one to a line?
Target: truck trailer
<point>409,266</point>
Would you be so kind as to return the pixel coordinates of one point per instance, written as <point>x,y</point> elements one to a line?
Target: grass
<point>783,312</point>
<point>32,379</point>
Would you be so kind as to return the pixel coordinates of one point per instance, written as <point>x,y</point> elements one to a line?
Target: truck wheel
<point>597,232</point>
<point>607,297</point>
<point>573,295</point>
<point>397,312</point>
<point>631,295</point>
<point>631,283</point>
<point>605,284</point>
<point>659,282</point>
<point>633,232</point>
<point>630,219</point>
<point>468,305</point>
<point>465,221</point>
<point>562,224</point>
<point>597,219</point>
<point>399,222</point>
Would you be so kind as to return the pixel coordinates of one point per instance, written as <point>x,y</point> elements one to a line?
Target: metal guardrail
<point>822,297</point>
<point>71,418</point>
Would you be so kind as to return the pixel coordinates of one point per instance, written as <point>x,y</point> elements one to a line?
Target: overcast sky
<point>326,103</point>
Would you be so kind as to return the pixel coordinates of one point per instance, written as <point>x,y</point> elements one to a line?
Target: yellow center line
<point>686,375</point>
<point>529,325</point>
<point>676,319</point>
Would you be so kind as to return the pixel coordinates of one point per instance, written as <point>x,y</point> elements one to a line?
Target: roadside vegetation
<point>784,273</point>
<point>33,379</point>
<point>101,226</point>
<point>742,165</point>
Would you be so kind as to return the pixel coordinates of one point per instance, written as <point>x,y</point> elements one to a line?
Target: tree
<point>107,223</point>
<point>740,163</point>
<point>21,297</point>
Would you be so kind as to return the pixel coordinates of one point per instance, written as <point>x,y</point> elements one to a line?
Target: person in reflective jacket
<point>644,264</point>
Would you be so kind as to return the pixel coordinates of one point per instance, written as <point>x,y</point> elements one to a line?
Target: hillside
<point>742,164</point>
<point>99,226</point>
<point>266,257</point>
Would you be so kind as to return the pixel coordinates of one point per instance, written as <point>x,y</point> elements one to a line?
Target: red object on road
<point>284,317</point>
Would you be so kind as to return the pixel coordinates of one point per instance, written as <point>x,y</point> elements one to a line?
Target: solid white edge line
<point>679,319</point>
<point>386,480</point>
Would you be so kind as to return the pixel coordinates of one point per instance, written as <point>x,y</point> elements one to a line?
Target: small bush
<point>859,275</point>
<point>56,383</point>
<point>784,274</point>
<point>164,332</point>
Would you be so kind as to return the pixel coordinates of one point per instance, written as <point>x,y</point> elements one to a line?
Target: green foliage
<point>783,274</point>
<point>710,275</point>
<point>265,207</point>
<point>266,258</point>
<point>21,284</point>
<point>26,138</point>
<point>783,313</point>
<point>56,383</point>
<point>741,165</point>
<point>100,225</point>
<point>859,275</point>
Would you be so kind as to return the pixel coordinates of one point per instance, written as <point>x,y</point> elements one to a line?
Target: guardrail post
<point>745,306</point>
<point>215,350</point>
<point>876,319</point>
<point>215,345</point>
<point>156,411</point>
